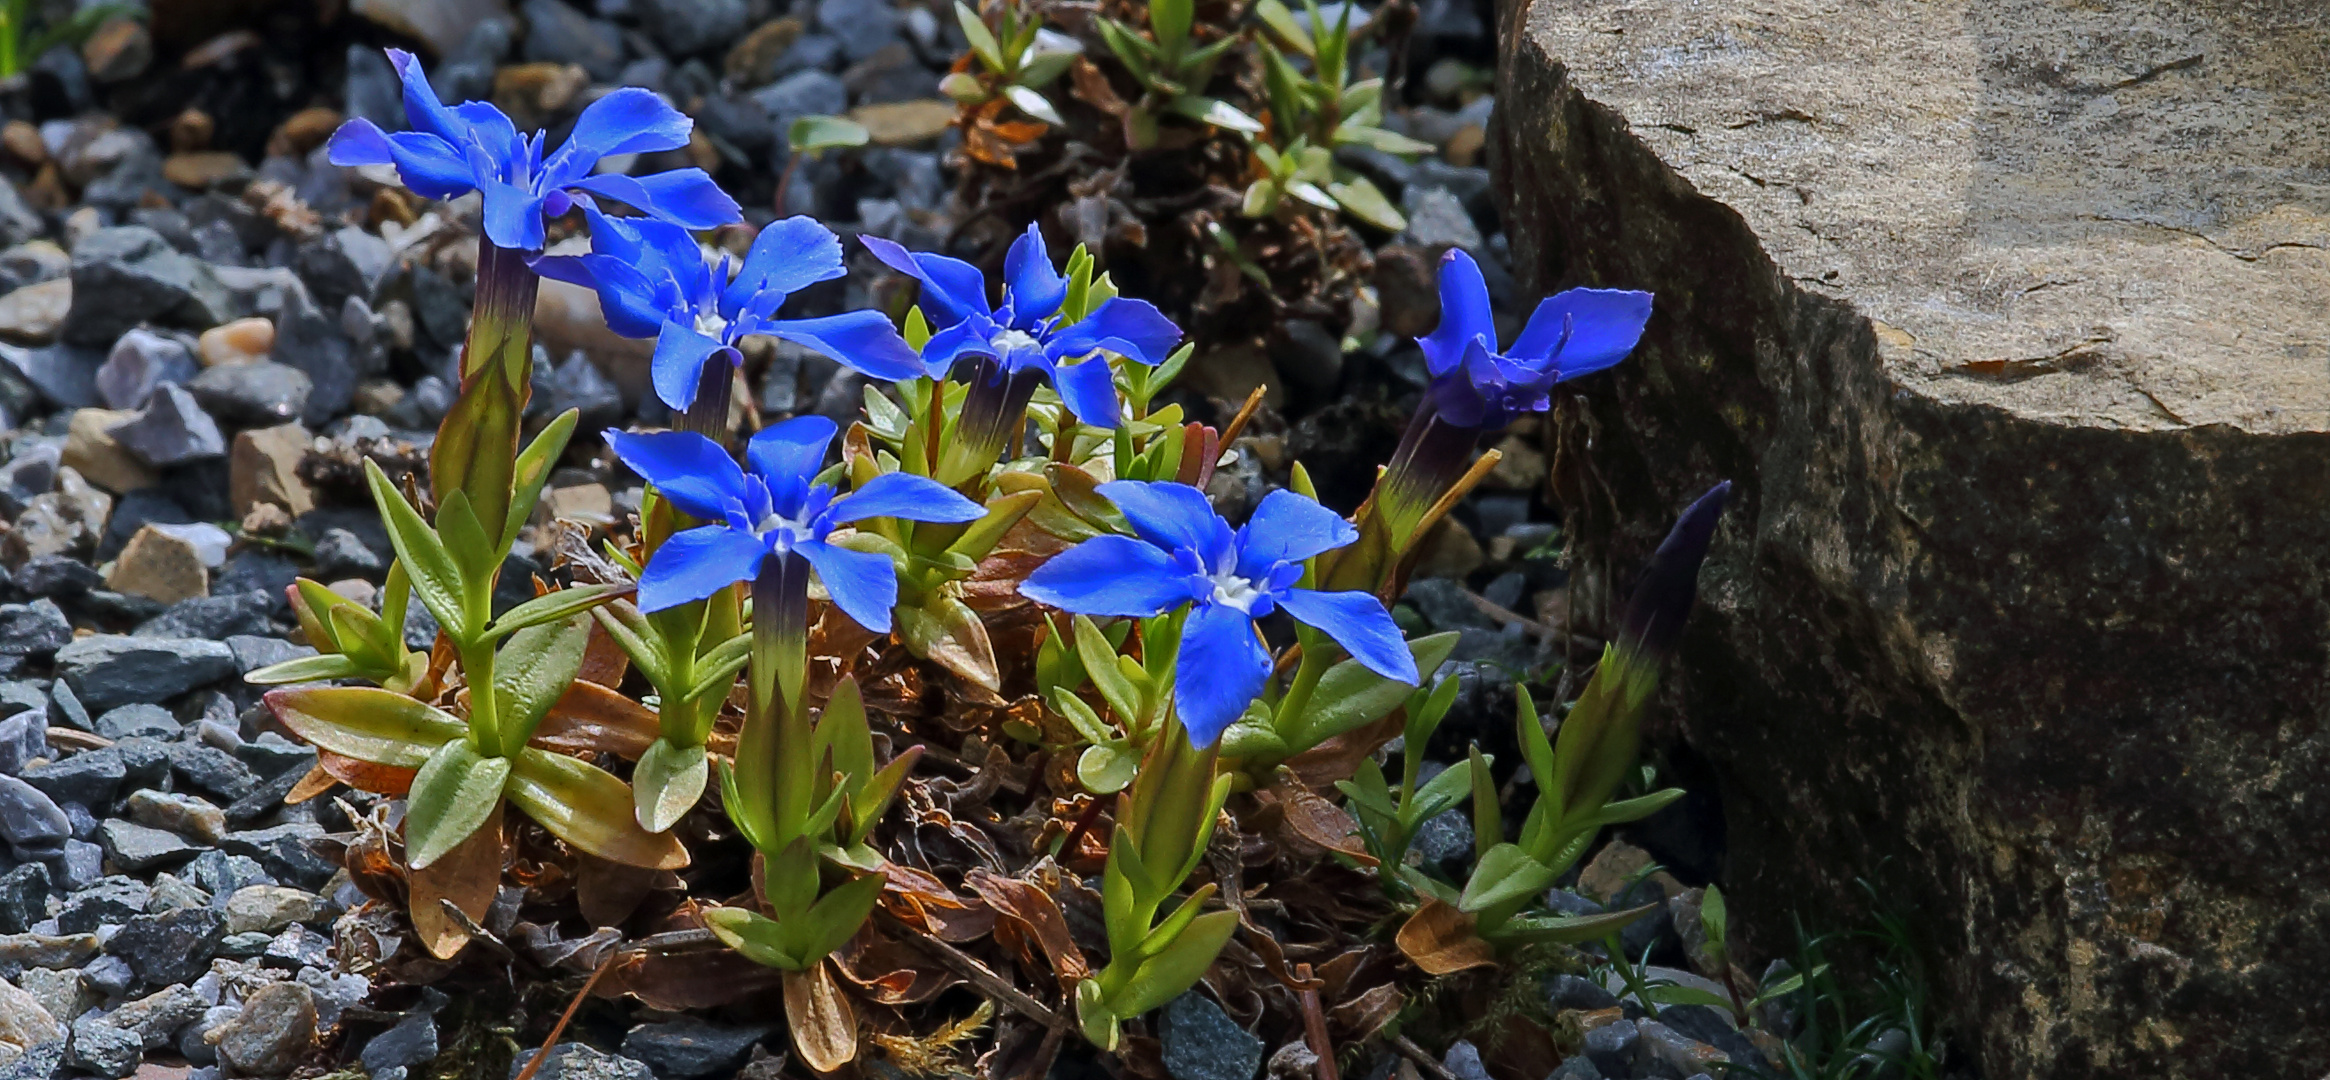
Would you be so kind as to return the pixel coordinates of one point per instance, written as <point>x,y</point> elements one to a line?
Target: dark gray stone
<point>343,554</point>
<point>103,1049</point>
<point>267,797</point>
<point>61,376</point>
<point>43,1062</point>
<point>689,1047</point>
<point>65,707</point>
<point>686,27</point>
<point>297,947</point>
<point>137,848</point>
<point>31,470</point>
<point>139,362</point>
<point>1201,1042</point>
<point>221,874</point>
<point>23,737</point>
<point>560,34</point>
<point>1703,1024</point>
<point>133,720</point>
<point>1577,1068</point>
<point>284,852</point>
<point>57,577</point>
<point>110,977</point>
<point>343,264</point>
<point>256,394</point>
<point>145,763</point>
<point>172,947</point>
<point>24,896</point>
<point>135,510</point>
<point>32,823</point>
<point>217,617</point>
<point>1573,992</point>
<point>106,670</point>
<point>272,755</point>
<point>256,571</point>
<point>1445,842</point>
<point>172,430</point>
<point>112,901</point>
<point>1463,1061</point>
<point>127,275</point>
<point>577,384</point>
<point>35,629</point>
<point>82,863</point>
<point>577,1061</point>
<point>253,652</point>
<point>410,1042</point>
<point>1611,1047</point>
<point>372,90</point>
<point>803,93</point>
<point>864,29</point>
<point>212,771</point>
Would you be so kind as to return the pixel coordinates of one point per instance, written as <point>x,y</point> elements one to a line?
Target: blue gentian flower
<point>1577,332</point>
<point>653,282</point>
<point>474,147</point>
<point>1025,333</point>
<point>775,510</point>
<point>1186,553</point>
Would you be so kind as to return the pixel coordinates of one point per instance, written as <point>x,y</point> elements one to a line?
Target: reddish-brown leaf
<point>361,775</point>
<point>592,718</point>
<point>1036,916</point>
<point>825,1027</point>
<point>468,876</point>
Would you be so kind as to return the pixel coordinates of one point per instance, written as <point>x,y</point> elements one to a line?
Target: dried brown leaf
<point>1440,939</point>
<point>361,775</point>
<point>468,876</point>
<point>824,1026</point>
<point>1036,916</point>
<point>591,718</point>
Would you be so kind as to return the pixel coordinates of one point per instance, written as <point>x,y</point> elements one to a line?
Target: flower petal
<point>1167,514</point>
<point>678,366</point>
<point>1603,324</point>
<point>632,120</point>
<point>969,336</point>
<point>865,341</point>
<point>951,288</point>
<point>1358,622</point>
<point>1035,288</point>
<point>1286,527</point>
<point>1134,329</point>
<point>422,109</point>
<point>573,270</point>
<point>786,257</point>
<point>513,216</point>
<point>685,197</point>
<point>1089,388</point>
<point>427,164</point>
<point>863,584</point>
<point>627,298</point>
<point>1464,312</point>
<point>1222,666</point>
<point>1108,575</point>
<point>689,470</point>
<point>792,451</point>
<point>491,131</point>
<point>695,563</point>
<point>906,497</point>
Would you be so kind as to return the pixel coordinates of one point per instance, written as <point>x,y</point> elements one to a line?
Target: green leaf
<point>1444,790</point>
<point>553,606</point>
<point>588,808</point>
<point>368,724</point>
<point>465,540</point>
<point>1363,200</point>
<point>756,936</point>
<point>836,916</point>
<point>716,670</point>
<point>1504,875</point>
<point>637,637</point>
<point>1169,20</point>
<point>1106,769</point>
<point>1282,23</point>
<point>1100,664</point>
<point>1045,65</point>
<point>1350,696</point>
<point>1033,104</point>
<point>533,472</point>
<point>842,732</point>
<point>435,577</point>
<point>1080,716</point>
<point>1572,931</point>
<point>668,782</point>
<point>319,668</point>
<point>1375,138</point>
<point>1169,931</point>
<point>816,134</point>
<point>1488,823</point>
<point>981,38</point>
<point>1219,113</point>
<point>533,670</point>
<point>1163,977</point>
<point>1713,917</point>
<point>452,795</point>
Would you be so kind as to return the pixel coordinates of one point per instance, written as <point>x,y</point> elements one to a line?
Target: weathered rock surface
<point>2007,319</point>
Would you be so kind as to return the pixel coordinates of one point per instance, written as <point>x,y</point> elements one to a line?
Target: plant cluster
<point>1015,509</point>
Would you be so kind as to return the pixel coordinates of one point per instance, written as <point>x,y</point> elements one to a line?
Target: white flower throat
<point>1008,341</point>
<point>711,325</point>
<point>1233,591</point>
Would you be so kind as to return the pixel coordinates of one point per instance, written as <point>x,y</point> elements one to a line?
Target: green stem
<point>485,731</point>
<point>1317,657</point>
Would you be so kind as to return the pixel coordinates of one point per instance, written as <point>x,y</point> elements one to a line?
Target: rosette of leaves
<point>1314,111</point>
<point>1016,59</point>
<point>1173,71</point>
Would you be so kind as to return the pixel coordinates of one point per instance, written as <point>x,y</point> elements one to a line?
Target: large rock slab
<point>2008,318</point>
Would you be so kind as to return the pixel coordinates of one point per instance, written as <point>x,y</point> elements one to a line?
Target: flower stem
<point>779,672</point>
<point>477,444</point>
<point>485,730</point>
<point>715,391</point>
<point>993,416</point>
<point>1431,458</point>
